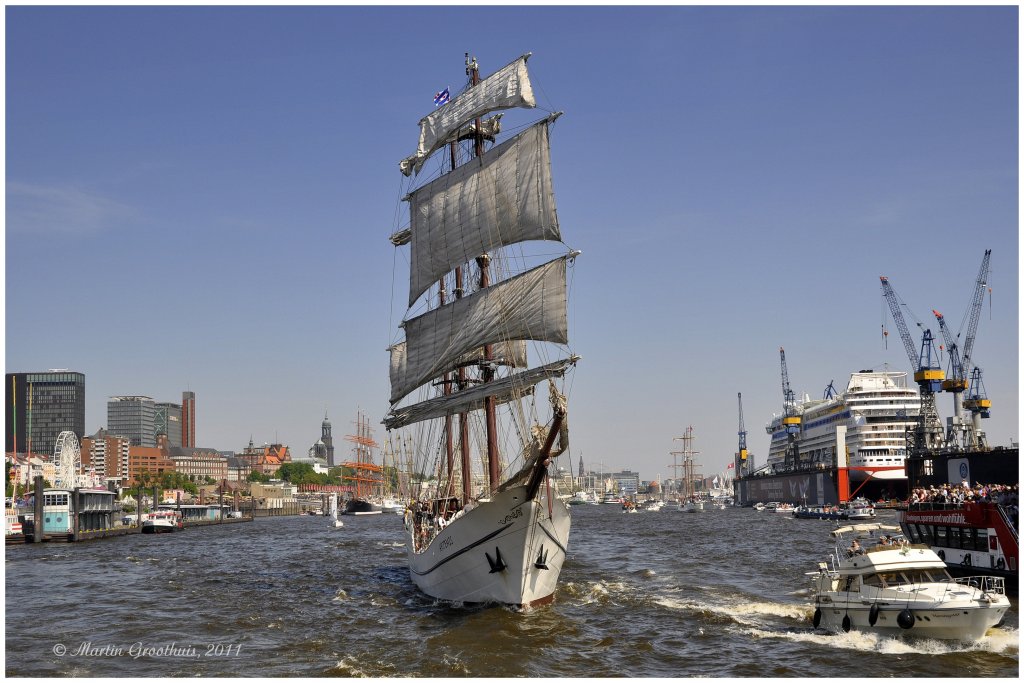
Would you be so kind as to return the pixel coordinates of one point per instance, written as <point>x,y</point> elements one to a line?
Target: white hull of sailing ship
<point>509,550</point>
<point>466,357</point>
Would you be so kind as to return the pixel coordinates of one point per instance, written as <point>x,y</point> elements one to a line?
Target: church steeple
<point>325,436</point>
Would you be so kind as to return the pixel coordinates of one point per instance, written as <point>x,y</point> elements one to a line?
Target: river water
<point>667,594</point>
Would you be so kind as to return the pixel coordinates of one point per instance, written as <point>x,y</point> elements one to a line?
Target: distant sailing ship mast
<point>688,463</point>
<point>366,475</point>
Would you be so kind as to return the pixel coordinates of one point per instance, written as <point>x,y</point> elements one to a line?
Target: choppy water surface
<point>720,593</point>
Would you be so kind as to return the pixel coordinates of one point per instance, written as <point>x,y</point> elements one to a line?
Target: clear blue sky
<point>199,198</point>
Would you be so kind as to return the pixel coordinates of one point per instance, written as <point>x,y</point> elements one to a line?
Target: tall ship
<point>366,478</point>
<point>864,429</point>
<point>485,299</point>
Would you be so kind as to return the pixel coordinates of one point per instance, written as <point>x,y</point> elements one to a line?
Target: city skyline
<point>208,213</point>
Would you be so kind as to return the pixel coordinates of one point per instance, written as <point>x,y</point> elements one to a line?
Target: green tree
<point>257,476</point>
<point>296,472</point>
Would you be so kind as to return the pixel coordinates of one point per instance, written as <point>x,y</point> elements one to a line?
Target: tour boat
<point>971,538</point>
<point>887,586</point>
<point>162,521</point>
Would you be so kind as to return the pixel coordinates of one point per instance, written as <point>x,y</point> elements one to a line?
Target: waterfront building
<point>168,421</point>
<point>188,419</point>
<point>238,469</point>
<point>27,467</point>
<point>51,402</point>
<point>133,417</point>
<point>151,460</point>
<point>107,453</point>
<point>199,463</point>
<point>272,494</point>
<point>265,459</point>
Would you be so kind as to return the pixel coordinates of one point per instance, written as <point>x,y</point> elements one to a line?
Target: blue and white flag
<point>441,98</point>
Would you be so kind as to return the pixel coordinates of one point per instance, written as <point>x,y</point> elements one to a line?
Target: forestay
<point>506,88</point>
<point>528,306</point>
<point>501,198</point>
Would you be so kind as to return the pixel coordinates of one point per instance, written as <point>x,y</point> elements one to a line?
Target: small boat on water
<point>610,498</point>
<point>162,521</point>
<point>818,512</point>
<point>582,498</point>
<point>13,532</point>
<point>886,585</point>
<point>653,505</point>
<point>860,509</point>
<point>784,508</point>
<point>692,505</point>
<point>333,512</point>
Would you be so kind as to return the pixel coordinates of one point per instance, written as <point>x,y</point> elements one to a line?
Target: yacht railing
<point>988,584</point>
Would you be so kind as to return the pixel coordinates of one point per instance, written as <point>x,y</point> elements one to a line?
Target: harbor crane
<point>744,464</point>
<point>977,401</point>
<point>955,383</point>
<point>791,417</point>
<point>927,435</point>
<point>964,433</point>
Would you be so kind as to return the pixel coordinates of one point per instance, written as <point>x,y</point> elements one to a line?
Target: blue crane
<point>743,464</point>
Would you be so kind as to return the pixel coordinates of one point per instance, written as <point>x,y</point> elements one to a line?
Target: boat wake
<point>600,592</point>
<point>998,641</point>
<point>744,613</point>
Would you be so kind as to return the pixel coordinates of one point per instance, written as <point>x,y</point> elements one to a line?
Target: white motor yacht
<point>882,584</point>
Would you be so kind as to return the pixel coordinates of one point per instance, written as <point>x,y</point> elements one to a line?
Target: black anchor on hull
<point>498,563</point>
<point>542,559</point>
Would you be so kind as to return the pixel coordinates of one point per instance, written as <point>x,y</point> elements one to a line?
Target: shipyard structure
<point>881,436</point>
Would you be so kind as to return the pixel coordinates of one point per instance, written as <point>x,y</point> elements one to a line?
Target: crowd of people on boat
<point>884,541</point>
<point>957,494</point>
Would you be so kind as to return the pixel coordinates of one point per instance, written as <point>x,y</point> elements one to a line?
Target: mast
<point>449,435</point>
<point>483,261</point>
<point>14,424</point>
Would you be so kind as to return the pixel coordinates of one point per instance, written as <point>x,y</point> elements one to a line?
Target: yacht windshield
<point>906,577</point>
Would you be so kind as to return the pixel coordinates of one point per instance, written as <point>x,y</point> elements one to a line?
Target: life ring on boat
<point>966,561</point>
<point>1000,564</point>
<point>873,614</point>
<point>942,555</point>
<point>905,619</point>
<point>817,617</point>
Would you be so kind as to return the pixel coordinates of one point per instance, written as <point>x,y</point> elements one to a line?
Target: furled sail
<point>506,88</point>
<point>503,390</point>
<point>527,306</point>
<point>500,198</point>
<point>511,353</point>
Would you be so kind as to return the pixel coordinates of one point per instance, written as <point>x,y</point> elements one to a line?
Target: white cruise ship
<point>866,426</point>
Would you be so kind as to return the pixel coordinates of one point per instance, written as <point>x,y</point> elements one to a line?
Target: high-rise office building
<point>133,417</point>
<point>168,421</point>
<point>41,405</point>
<point>188,419</point>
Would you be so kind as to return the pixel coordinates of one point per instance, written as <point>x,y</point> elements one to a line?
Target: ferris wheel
<point>67,461</point>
